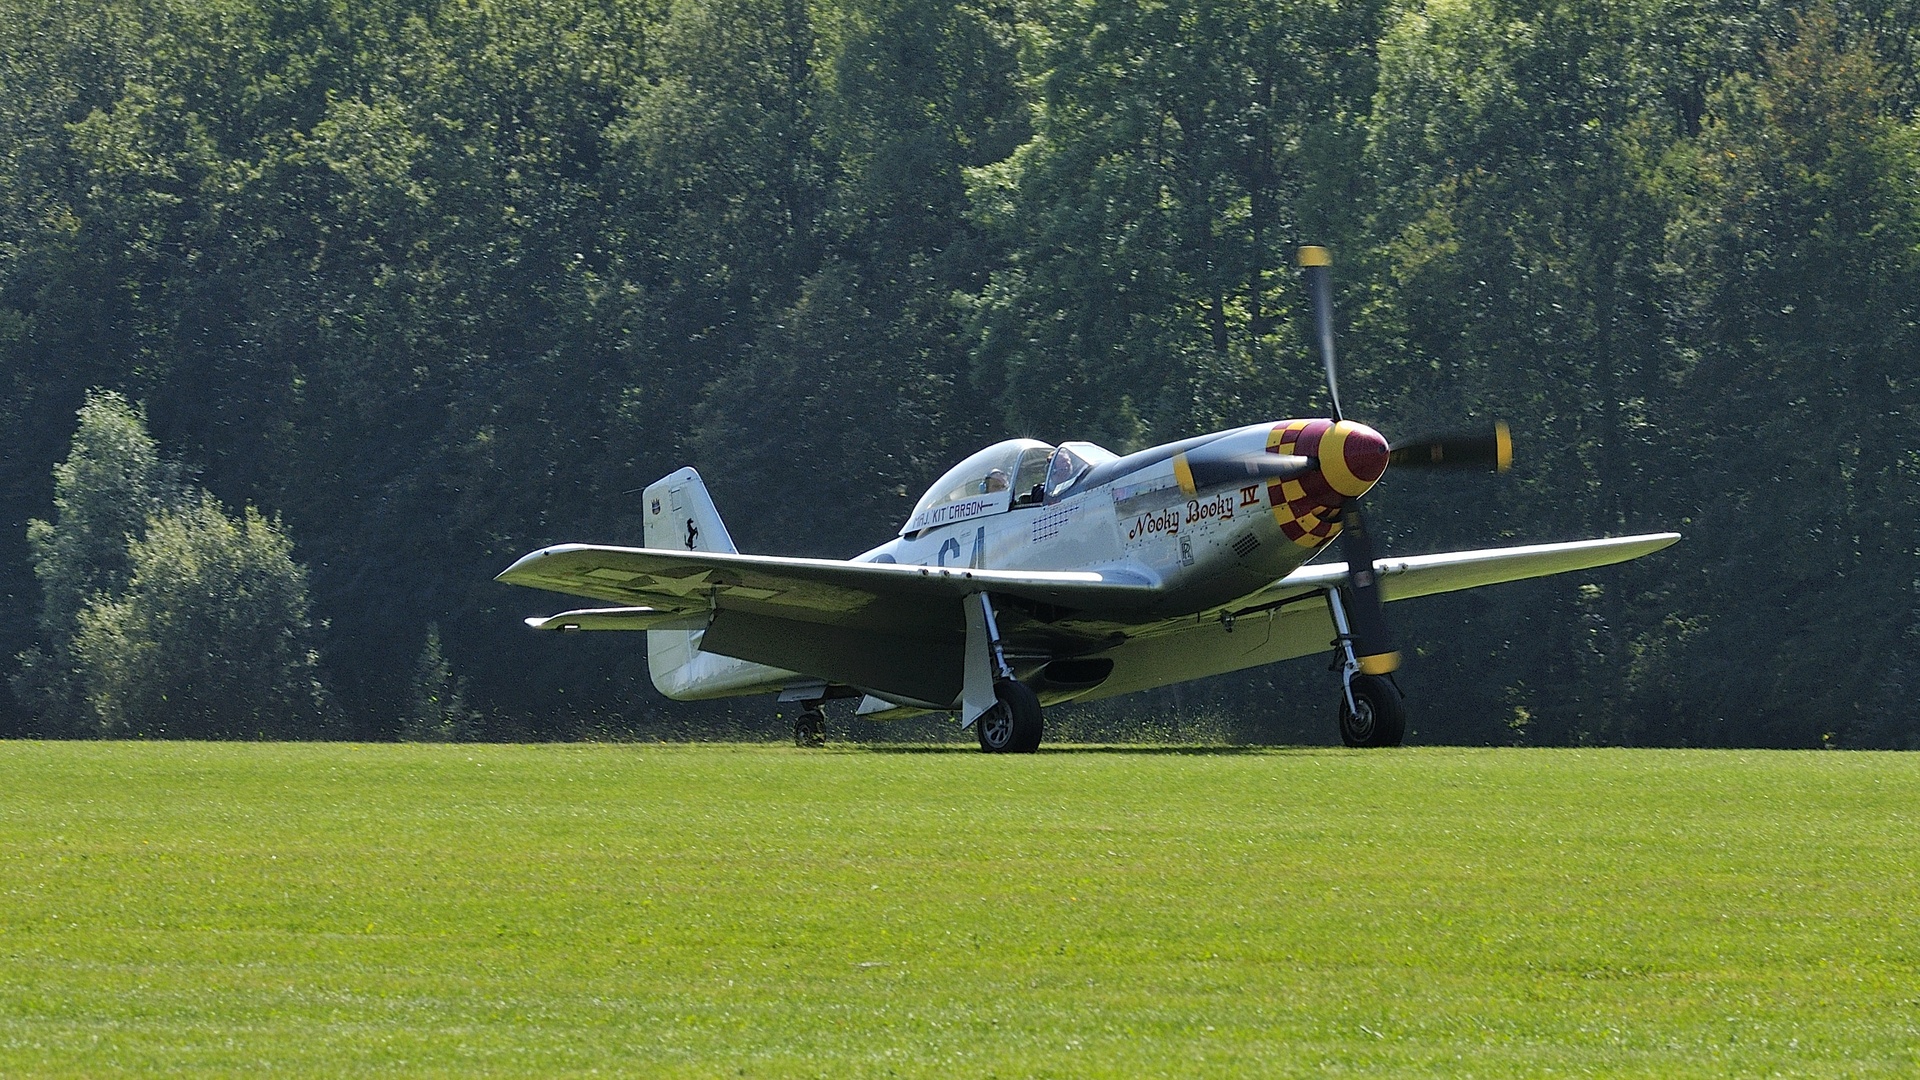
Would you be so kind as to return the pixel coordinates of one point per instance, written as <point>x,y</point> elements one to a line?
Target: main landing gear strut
<point>1372,713</point>
<point>1004,712</point>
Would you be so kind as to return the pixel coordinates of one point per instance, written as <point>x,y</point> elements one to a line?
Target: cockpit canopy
<point>985,483</point>
<point>1018,472</point>
<point>1072,461</point>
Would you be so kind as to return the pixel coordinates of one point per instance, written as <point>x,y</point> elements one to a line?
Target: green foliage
<point>112,483</point>
<point>437,706</point>
<point>1181,152</point>
<point>164,618</point>
<point>210,638</point>
<point>447,281</point>
<point>334,910</point>
<point>1518,239</point>
<point>1799,252</point>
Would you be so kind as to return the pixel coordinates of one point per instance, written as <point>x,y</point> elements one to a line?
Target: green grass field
<point>753,911</point>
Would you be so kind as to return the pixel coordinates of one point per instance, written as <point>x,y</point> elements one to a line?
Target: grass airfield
<point>557,910</point>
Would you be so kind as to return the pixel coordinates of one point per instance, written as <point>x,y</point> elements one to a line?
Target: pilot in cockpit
<point>995,481</point>
<point>1064,467</point>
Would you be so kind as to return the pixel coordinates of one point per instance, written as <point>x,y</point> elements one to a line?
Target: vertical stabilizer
<point>680,516</point>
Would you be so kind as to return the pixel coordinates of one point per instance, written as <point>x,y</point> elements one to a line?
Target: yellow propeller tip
<point>1380,663</point>
<point>1315,256</point>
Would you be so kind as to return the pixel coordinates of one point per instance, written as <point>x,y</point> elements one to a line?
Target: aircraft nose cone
<point>1352,457</point>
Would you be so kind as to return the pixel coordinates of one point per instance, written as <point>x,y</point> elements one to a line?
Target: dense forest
<point>406,288</point>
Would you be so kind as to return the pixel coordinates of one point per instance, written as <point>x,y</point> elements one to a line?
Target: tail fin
<point>680,515</point>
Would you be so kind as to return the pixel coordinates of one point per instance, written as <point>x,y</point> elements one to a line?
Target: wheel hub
<point>1360,719</point>
<point>996,727</point>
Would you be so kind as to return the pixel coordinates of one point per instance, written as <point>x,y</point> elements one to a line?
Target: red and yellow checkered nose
<point>1352,456</point>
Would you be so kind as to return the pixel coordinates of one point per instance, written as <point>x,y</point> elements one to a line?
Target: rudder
<point>680,516</point>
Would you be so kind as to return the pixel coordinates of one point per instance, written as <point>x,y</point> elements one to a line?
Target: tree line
<point>430,284</point>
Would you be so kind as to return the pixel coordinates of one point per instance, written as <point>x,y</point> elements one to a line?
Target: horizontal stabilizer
<point>620,618</point>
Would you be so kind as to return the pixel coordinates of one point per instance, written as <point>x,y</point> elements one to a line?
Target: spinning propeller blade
<point>1314,262</point>
<point>1455,451</point>
<point>1366,620</point>
<point>1208,470</point>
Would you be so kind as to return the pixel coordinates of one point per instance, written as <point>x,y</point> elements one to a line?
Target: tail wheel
<point>810,728</point>
<point>1377,716</point>
<point>1012,726</point>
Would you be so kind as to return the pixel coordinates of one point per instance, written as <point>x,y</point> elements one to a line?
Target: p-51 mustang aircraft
<point>1033,574</point>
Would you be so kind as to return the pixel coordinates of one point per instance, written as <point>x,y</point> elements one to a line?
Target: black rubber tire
<point>1013,725</point>
<point>1382,717</point>
<point>810,729</point>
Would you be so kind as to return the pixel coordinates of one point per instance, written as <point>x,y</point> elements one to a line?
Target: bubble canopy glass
<point>1071,462</point>
<point>989,482</point>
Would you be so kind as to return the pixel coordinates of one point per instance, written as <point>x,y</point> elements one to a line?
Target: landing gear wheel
<point>1012,726</point>
<point>1377,718</point>
<point>810,728</point>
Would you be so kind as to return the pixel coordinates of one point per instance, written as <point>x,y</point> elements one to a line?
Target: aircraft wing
<point>900,630</point>
<point>826,591</point>
<point>619,618</point>
<point>1450,571</point>
<point>896,629</point>
<point>1289,618</point>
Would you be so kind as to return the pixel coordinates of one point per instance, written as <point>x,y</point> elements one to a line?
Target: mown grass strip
<point>218,909</point>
